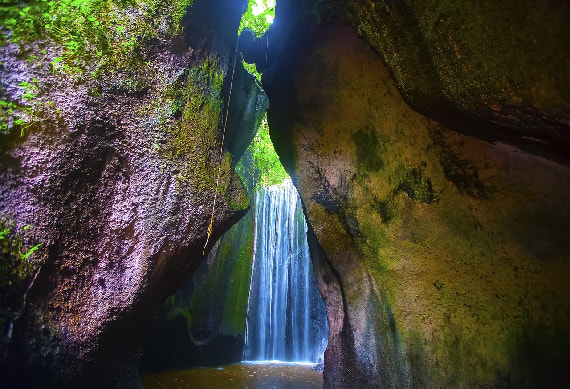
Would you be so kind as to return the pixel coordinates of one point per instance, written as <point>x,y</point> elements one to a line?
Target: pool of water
<point>252,375</point>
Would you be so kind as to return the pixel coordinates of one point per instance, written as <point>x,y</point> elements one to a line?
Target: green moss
<point>169,302</point>
<point>131,85</point>
<point>21,116</point>
<point>238,203</point>
<point>461,173</point>
<point>416,184</point>
<point>187,114</point>
<point>81,41</point>
<point>368,150</point>
<point>179,8</point>
<point>235,308</point>
<point>201,90</point>
<point>384,209</point>
<point>19,262</point>
<point>221,286</point>
<point>179,310</point>
<point>108,33</point>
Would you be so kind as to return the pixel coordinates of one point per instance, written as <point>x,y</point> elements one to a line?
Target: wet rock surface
<point>441,256</point>
<point>116,181</point>
<point>204,323</point>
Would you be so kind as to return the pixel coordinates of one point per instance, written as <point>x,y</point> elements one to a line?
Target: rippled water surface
<point>239,375</point>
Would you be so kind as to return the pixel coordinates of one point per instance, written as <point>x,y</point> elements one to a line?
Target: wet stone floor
<point>239,375</point>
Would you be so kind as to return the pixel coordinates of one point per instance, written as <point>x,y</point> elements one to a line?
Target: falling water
<point>286,318</point>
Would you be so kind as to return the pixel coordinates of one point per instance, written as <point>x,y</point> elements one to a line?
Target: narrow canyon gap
<point>428,142</point>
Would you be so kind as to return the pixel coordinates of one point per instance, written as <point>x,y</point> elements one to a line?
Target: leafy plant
<point>16,262</point>
<point>26,255</point>
<point>18,114</point>
<point>258,16</point>
<point>29,89</point>
<point>19,269</point>
<point>265,166</point>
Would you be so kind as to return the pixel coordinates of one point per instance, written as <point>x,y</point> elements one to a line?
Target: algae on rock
<point>116,174</point>
<point>441,256</point>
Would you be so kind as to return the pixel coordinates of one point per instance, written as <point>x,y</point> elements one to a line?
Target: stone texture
<point>116,181</point>
<point>204,323</point>
<point>442,257</point>
<point>493,69</point>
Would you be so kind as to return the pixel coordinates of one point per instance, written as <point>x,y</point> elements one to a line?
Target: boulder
<point>437,186</point>
<point>108,187</point>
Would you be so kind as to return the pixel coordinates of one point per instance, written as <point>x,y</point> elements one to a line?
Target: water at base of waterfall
<point>286,318</point>
<point>240,375</point>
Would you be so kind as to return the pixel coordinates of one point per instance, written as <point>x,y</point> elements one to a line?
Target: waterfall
<point>286,318</point>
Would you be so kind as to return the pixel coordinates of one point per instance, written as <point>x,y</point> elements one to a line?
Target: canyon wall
<point>428,142</point>
<point>204,322</point>
<point>110,149</point>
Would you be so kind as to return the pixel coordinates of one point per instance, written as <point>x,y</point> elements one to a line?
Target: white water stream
<point>286,318</point>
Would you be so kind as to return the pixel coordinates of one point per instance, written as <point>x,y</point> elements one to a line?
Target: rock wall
<point>107,187</point>
<point>204,323</point>
<point>442,256</point>
<point>495,70</point>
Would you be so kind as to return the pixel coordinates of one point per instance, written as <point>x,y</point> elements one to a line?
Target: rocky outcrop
<point>204,322</point>
<point>433,173</point>
<point>107,188</point>
<point>495,71</point>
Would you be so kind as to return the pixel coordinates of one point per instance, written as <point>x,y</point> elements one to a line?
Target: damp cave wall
<point>204,322</point>
<point>113,179</point>
<point>429,143</point>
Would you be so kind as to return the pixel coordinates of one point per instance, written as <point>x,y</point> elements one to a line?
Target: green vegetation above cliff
<point>78,40</point>
<point>265,166</point>
<point>100,31</point>
<point>258,16</point>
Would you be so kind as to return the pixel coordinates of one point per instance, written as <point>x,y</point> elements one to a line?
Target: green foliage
<point>22,114</point>
<point>256,16</point>
<point>19,264</point>
<point>250,67</point>
<point>265,165</point>
<point>85,39</point>
<point>104,32</point>
<point>15,258</point>
<point>26,255</point>
<point>197,98</point>
<point>11,112</point>
<point>29,89</point>
<point>265,10</point>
